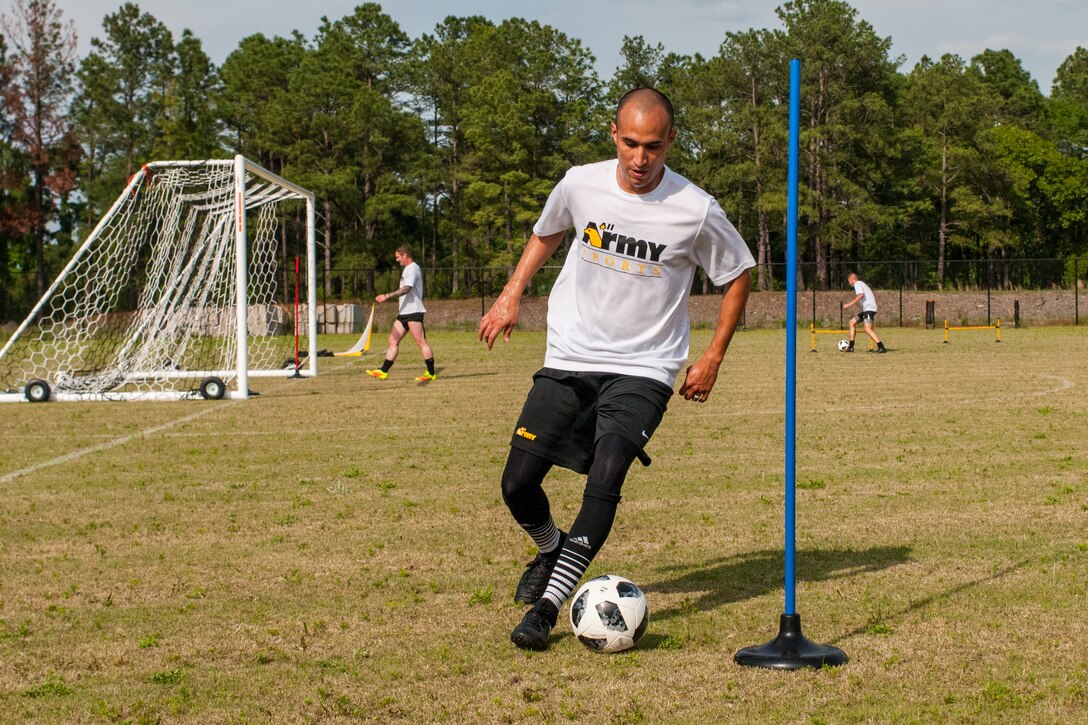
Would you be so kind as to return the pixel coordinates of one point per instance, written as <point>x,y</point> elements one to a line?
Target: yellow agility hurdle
<point>974,327</point>
<point>813,332</point>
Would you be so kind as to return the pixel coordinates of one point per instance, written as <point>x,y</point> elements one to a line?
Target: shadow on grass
<point>736,578</point>
<point>442,375</point>
<point>935,597</point>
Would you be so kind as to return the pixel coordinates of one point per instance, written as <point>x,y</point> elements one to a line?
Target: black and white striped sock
<point>565,576</point>
<point>546,536</point>
<point>594,521</point>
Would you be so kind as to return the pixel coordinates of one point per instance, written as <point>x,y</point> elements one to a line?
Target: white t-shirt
<point>620,304</point>
<point>868,300</point>
<point>412,276</point>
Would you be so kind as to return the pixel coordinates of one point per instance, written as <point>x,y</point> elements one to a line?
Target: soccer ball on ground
<point>844,345</point>
<point>609,614</point>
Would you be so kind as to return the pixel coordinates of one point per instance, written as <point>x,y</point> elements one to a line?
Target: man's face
<point>642,142</point>
<point>401,257</point>
<point>852,279</point>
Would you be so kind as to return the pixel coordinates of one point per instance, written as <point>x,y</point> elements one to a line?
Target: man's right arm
<point>394,294</point>
<point>503,315</point>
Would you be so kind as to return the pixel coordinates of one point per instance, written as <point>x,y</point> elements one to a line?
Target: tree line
<point>451,141</point>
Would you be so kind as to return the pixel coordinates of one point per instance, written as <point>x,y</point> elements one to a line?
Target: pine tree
<point>36,98</point>
<point>122,100</point>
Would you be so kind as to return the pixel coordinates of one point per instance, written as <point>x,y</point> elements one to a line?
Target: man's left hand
<point>699,381</point>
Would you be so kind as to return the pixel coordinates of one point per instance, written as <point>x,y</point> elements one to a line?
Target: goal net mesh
<point>149,302</point>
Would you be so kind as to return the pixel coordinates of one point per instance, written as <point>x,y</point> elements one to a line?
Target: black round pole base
<point>790,650</point>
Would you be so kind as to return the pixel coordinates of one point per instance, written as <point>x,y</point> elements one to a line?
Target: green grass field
<point>337,549</point>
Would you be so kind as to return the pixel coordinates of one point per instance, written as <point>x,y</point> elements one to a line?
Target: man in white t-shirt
<point>618,334</point>
<point>409,317</point>
<point>867,314</point>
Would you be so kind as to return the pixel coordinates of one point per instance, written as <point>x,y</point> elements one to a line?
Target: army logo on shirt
<point>606,248</point>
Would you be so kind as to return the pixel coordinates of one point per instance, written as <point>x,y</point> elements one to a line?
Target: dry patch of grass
<point>338,549</point>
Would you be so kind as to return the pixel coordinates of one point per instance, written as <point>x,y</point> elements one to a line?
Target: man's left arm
<point>700,377</point>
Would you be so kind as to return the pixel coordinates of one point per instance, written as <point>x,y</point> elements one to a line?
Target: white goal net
<point>177,292</point>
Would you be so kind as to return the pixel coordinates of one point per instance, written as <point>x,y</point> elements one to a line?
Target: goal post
<point>174,294</point>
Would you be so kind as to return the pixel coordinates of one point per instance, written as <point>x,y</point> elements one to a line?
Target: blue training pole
<point>791,335</point>
<point>791,650</point>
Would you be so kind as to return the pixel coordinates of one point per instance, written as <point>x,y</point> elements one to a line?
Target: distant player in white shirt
<point>867,314</point>
<point>409,317</point>
<point>618,333</point>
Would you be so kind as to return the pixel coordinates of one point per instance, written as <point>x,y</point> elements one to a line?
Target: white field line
<point>1063,384</point>
<point>121,440</point>
<point>7,477</point>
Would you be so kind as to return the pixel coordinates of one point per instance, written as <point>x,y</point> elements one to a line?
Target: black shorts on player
<point>865,316</point>
<point>411,317</point>
<point>566,413</point>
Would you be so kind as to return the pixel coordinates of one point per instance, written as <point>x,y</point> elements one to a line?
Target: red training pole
<point>296,314</point>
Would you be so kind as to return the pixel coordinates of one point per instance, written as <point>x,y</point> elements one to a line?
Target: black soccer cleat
<point>536,626</point>
<point>534,580</point>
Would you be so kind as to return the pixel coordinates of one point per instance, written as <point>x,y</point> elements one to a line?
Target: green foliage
<point>165,677</point>
<point>642,67</point>
<point>1018,97</point>
<point>847,93</point>
<point>482,595</point>
<point>38,149</point>
<point>947,106</point>
<point>249,98</point>
<point>121,107</point>
<point>53,685</point>
<point>188,126</point>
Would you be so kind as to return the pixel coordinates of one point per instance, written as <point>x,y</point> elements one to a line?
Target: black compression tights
<point>522,490</point>
<point>524,495</point>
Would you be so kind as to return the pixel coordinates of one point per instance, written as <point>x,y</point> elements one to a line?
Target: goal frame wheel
<point>212,388</point>
<point>37,391</point>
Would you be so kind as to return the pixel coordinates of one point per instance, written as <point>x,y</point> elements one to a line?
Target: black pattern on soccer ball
<point>594,643</point>
<point>611,617</point>
<point>641,629</point>
<point>628,590</point>
<point>578,608</point>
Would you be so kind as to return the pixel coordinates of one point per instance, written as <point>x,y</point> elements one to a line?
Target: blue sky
<point>1041,33</point>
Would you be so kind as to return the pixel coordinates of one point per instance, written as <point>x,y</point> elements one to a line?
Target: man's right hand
<point>501,318</point>
<point>503,315</point>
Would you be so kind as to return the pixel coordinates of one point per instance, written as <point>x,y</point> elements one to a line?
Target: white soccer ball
<point>844,345</point>
<point>609,614</point>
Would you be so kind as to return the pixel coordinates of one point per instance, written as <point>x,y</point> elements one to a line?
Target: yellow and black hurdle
<point>996,327</point>
<point>813,332</point>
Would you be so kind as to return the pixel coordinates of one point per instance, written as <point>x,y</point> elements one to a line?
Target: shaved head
<point>645,100</point>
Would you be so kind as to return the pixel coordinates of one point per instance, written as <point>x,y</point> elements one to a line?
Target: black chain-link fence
<point>1045,291</point>
<point>361,285</point>
<point>356,285</point>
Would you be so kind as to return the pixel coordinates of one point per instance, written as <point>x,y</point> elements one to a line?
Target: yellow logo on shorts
<point>525,434</point>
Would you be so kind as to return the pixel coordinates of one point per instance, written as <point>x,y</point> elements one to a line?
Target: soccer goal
<point>175,293</point>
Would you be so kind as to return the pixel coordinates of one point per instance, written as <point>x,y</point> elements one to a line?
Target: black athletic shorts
<point>411,317</point>
<point>864,315</point>
<point>566,413</point>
